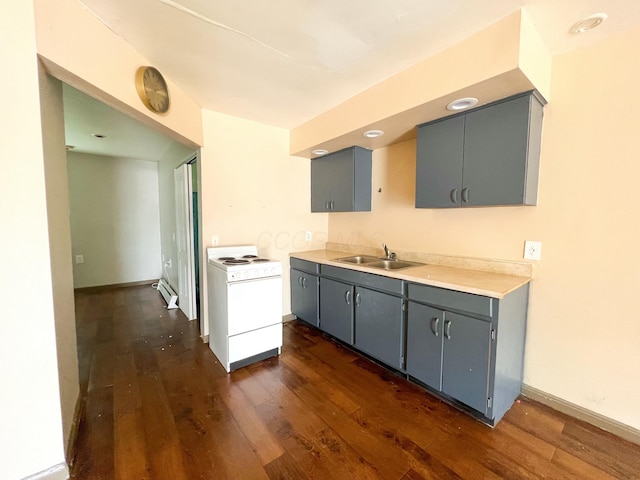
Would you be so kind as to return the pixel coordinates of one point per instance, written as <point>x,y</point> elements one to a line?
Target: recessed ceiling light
<point>99,135</point>
<point>320,151</point>
<point>589,23</point>
<point>462,103</point>
<point>373,133</point>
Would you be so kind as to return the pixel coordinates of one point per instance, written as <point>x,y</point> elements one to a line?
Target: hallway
<point>159,406</point>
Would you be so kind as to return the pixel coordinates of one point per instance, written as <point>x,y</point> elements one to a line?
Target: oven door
<point>254,304</point>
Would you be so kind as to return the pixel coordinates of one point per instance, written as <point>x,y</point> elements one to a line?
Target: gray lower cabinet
<point>336,309</point>
<point>341,181</point>
<point>450,353</point>
<point>304,296</point>
<point>483,157</point>
<point>378,326</point>
<point>468,347</point>
<point>305,288</point>
<point>364,310</point>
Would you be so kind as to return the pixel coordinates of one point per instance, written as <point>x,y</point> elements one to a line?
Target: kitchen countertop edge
<point>489,284</point>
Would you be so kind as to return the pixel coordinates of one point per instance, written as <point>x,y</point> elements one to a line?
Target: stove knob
<point>246,274</point>
<point>273,270</point>
<point>256,273</point>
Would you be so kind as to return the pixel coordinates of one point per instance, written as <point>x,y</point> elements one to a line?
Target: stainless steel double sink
<point>381,263</point>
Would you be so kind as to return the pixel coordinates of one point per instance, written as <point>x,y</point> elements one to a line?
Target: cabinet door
<point>304,296</point>
<point>321,178</point>
<point>342,181</point>
<point>336,309</point>
<point>495,153</point>
<point>378,325</point>
<point>439,163</point>
<point>465,364</point>
<point>424,344</point>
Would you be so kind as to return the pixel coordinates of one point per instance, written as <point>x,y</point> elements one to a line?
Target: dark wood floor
<point>159,406</point>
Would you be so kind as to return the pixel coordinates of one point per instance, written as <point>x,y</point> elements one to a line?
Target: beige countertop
<point>489,284</point>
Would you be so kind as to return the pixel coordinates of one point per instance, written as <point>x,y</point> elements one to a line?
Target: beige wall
<point>583,333</point>
<point>254,192</point>
<point>31,438</point>
<point>80,50</point>
<point>115,219</point>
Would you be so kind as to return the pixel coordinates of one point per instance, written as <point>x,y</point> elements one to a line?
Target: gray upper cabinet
<point>484,157</point>
<point>341,181</point>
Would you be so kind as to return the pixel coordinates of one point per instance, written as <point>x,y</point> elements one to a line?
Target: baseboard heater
<point>168,294</point>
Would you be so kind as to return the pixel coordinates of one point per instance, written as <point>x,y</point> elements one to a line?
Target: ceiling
<point>284,62</point>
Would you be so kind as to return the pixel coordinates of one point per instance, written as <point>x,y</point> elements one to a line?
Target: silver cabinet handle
<point>434,325</point>
<point>357,299</point>
<point>454,195</point>
<point>326,205</point>
<point>304,282</point>
<point>447,329</point>
<point>465,195</point>
<point>347,297</point>
<point>300,280</point>
<point>332,204</point>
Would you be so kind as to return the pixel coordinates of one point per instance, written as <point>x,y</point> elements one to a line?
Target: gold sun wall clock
<point>152,89</point>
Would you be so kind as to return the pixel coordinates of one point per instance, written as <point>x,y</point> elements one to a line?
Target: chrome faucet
<point>388,255</point>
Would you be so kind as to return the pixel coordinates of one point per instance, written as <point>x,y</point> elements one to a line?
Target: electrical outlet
<point>308,236</point>
<point>532,250</point>
<point>214,240</point>
<point>79,258</point>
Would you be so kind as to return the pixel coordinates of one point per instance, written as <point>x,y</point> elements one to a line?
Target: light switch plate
<point>79,258</point>
<point>532,250</point>
<point>308,236</point>
<point>214,240</point>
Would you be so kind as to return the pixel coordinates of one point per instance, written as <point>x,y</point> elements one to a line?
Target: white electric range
<point>245,305</point>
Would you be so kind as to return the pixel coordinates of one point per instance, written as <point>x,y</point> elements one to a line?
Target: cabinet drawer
<point>452,300</point>
<point>304,265</point>
<point>370,280</point>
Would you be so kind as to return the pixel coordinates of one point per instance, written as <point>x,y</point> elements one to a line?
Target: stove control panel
<point>254,271</point>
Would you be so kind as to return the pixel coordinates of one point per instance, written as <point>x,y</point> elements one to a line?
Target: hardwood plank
<point>284,468</point>
<point>130,448</point>
<point>263,443</point>
<point>160,434</point>
<point>95,459</point>
<point>319,452</point>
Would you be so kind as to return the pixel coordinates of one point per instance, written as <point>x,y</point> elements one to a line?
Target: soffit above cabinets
<point>502,60</point>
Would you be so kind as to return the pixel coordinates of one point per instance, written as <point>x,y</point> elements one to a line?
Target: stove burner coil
<point>235,261</point>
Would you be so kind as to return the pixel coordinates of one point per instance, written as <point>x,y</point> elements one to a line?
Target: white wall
<point>60,246</point>
<point>115,219</point>
<point>30,420</point>
<point>175,155</point>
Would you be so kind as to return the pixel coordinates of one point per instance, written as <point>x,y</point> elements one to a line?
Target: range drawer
<point>477,305</point>
<point>376,282</point>
<point>304,265</point>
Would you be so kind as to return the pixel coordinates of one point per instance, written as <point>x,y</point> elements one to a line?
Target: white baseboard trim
<point>57,472</point>
<point>288,318</point>
<point>613,426</point>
